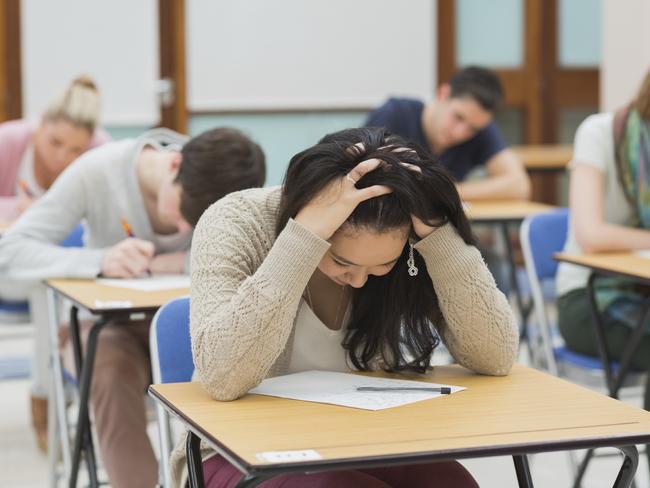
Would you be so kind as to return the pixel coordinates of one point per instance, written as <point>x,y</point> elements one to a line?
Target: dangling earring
<point>410,262</point>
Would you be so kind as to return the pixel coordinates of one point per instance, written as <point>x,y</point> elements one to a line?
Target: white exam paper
<point>644,253</point>
<point>149,283</point>
<point>340,389</point>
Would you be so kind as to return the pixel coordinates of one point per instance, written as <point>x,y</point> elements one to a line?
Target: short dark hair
<point>215,163</point>
<point>479,83</point>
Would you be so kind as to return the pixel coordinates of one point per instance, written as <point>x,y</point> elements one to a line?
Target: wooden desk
<point>623,264</point>
<point>612,263</point>
<point>525,412</point>
<point>114,303</point>
<point>627,265</point>
<point>501,213</point>
<point>544,157</point>
<point>85,294</point>
<point>546,165</point>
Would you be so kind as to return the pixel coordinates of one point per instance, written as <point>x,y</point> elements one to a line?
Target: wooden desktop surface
<point>622,263</point>
<point>503,210</point>
<point>526,411</point>
<point>87,292</point>
<point>554,157</point>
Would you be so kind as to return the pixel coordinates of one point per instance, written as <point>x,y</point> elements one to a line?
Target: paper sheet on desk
<point>340,389</point>
<point>644,253</point>
<point>149,283</point>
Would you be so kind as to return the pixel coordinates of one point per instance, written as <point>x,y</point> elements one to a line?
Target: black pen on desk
<point>443,390</point>
<point>129,232</point>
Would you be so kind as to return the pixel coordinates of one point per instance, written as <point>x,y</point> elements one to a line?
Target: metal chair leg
<point>57,393</point>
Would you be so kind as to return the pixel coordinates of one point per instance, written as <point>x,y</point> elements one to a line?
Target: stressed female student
<point>362,260</point>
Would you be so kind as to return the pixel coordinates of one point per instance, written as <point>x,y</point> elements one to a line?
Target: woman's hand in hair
<point>421,229</point>
<point>329,209</point>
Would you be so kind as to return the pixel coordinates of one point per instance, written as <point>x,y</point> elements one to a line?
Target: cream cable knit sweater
<point>247,285</point>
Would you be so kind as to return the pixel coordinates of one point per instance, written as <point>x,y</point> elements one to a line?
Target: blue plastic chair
<point>541,236</point>
<point>18,311</point>
<point>14,312</point>
<point>171,362</point>
<point>75,238</point>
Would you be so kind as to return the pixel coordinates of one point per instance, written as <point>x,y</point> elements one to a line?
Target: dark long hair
<point>393,316</point>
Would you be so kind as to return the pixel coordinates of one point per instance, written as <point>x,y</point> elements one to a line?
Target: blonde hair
<point>642,102</point>
<point>77,104</point>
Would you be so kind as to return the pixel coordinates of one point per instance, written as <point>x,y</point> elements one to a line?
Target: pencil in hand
<point>127,227</point>
<point>129,232</point>
<point>25,188</point>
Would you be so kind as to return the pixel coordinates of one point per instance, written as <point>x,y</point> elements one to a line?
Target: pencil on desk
<point>443,390</point>
<point>25,188</point>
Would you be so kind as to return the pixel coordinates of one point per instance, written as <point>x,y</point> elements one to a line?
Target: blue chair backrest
<point>547,234</point>
<point>171,346</point>
<point>75,238</point>
<point>19,311</point>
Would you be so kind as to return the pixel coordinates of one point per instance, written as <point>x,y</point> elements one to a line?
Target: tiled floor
<point>21,465</point>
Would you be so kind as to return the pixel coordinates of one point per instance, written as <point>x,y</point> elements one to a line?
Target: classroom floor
<point>22,466</point>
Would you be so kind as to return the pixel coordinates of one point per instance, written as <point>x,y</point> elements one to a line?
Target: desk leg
<point>523,471</point>
<point>57,392</point>
<point>630,462</point>
<point>632,345</point>
<point>524,308</point>
<point>194,463</point>
<point>83,436</point>
<point>195,466</point>
<point>615,379</point>
<point>577,482</point>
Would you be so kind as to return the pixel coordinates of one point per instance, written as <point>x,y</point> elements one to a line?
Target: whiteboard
<point>116,42</point>
<point>296,54</point>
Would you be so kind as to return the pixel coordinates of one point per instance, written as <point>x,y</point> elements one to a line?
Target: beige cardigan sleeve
<point>480,329</point>
<point>245,293</point>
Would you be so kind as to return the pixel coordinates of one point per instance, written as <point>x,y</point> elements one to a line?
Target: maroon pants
<point>219,473</point>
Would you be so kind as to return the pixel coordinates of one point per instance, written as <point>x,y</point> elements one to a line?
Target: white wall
<point>626,50</point>
<point>261,54</point>
<point>115,41</point>
<point>241,55</point>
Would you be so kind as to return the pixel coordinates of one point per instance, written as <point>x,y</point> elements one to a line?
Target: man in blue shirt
<point>458,127</point>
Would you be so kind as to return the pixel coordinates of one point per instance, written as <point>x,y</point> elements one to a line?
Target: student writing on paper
<point>609,198</point>
<point>161,183</point>
<point>362,260</point>
<point>32,155</point>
